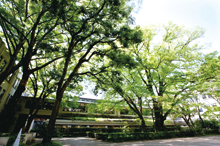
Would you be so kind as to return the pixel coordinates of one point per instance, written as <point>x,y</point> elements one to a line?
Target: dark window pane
<point>9,77</point>
<point>2,66</point>
<point>200,110</point>
<point>1,58</point>
<point>2,93</point>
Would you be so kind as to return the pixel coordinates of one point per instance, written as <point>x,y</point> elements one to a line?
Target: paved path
<point>190,141</point>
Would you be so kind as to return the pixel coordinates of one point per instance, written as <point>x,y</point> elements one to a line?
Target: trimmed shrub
<point>52,143</point>
<point>74,134</point>
<point>213,124</point>
<point>120,137</point>
<point>90,134</point>
<point>211,131</point>
<point>97,130</point>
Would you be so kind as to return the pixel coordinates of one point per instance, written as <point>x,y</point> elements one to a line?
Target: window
<point>16,82</point>
<point>7,98</point>
<point>2,66</point>
<point>2,93</point>
<point>214,105</point>
<point>210,96</point>
<point>9,77</point>
<point>200,110</point>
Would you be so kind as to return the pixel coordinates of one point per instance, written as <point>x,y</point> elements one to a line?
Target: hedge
<point>121,137</point>
<point>97,130</point>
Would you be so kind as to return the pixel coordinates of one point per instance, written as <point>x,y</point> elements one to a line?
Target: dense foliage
<point>121,137</point>
<point>162,72</point>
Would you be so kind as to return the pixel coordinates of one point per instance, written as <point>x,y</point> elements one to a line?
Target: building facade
<point>8,87</point>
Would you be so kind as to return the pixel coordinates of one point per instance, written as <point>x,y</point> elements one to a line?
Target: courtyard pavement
<point>189,141</point>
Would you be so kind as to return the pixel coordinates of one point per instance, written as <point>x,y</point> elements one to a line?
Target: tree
<point>43,85</point>
<point>209,72</point>
<point>28,28</point>
<point>165,69</point>
<point>168,68</point>
<point>28,32</point>
<point>125,86</point>
<point>89,31</point>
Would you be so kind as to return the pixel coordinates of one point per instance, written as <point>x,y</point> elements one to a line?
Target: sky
<point>190,13</point>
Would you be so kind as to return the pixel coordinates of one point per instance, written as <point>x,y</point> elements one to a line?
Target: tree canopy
<point>166,65</point>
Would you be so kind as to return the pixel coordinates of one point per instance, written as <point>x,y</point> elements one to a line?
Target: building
<point>76,117</point>
<point>111,118</point>
<point>8,87</point>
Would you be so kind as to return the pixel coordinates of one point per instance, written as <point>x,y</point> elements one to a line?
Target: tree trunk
<point>152,115</point>
<point>191,122</point>
<point>159,119</point>
<point>32,116</point>
<point>187,121</point>
<point>143,125</point>
<point>53,117</point>
<point>7,114</point>
<point>200,118</point>
<point>159,122</point>
<point>30,119</point>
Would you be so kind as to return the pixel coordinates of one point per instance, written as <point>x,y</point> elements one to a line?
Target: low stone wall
<point>29,137</point>
<point>4,140</point>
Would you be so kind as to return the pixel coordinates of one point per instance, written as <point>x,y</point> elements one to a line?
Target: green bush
<point>11,139</point>
<point>213,124</point>
<point>96,130</point>
<point>74,134</point>
<point>22,144</point>
<point>170,128</point>
<point>33,130</point>
<point>120,137</point>
<point>52,143</point>
<point>211,131</point>
<point>57,132</point>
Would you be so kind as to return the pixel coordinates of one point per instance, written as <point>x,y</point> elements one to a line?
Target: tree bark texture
<point>159,118</point>
<point>30,119</point>
<point>50,127</point>
<point>186,120</point>
<point>143,125</point>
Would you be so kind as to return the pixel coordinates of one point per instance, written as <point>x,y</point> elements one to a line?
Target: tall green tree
<point>91,26</point>
<point>30,30</point>
<point>167,65</point>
